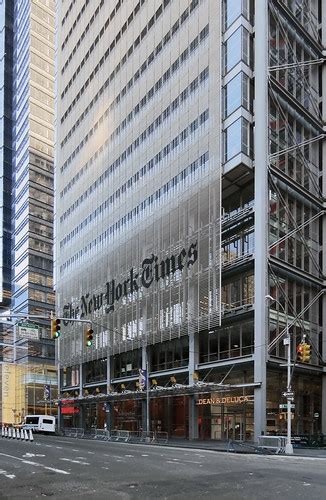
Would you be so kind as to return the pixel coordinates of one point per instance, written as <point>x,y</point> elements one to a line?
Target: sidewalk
<point>237,447</point>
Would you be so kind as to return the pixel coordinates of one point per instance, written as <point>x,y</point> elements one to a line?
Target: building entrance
<point>226,422</point>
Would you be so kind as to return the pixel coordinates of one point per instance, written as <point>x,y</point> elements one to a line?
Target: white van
<point>39,423</point>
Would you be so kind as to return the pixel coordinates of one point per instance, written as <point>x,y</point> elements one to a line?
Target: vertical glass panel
<point>233,140</point>
<point>236,49</point>
<point>237,139</point>
<point>233,50</point>
<point>233,9</point>
<point>236,94</point>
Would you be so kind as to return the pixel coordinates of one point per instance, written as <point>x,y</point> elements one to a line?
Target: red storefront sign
<point>69,410</point>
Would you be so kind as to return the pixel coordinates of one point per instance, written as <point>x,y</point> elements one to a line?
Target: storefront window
<point>306,414</point>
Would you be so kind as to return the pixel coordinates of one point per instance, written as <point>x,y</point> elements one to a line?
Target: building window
<point>233,9</point>
<point>236,49</point>
<point>236,94</point>
<point>237,139</point>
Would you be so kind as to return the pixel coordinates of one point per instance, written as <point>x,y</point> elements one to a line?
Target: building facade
<point>29,217</point>
<point>189,188</point>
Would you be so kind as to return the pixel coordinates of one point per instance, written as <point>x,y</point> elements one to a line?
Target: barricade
<point>102,434</point>
<point>120,435</point>
<point>75,432</point>
<point>160,437</point>
<point>272,444</point>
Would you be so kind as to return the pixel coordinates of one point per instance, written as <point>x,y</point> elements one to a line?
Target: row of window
<point>178,101</point>
<point>82,10</point>
<point>116,70</point>
<point>96,41</point>
<point>147,97</point>
<point>108,51</point>
<point>72,3</point>
<point>179,139</point>
<point>181,178</point>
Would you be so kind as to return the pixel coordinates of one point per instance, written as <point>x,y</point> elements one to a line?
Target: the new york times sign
<point>152,270</point>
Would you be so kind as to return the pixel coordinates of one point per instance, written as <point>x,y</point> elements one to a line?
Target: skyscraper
<point>189,214</point>
<point>28,234</point>
<point>6,70</point>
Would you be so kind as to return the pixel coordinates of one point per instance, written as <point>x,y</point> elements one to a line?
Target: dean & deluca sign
<point>227,400</point>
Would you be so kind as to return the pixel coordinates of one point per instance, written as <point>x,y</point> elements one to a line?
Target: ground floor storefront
<point>208,415</point>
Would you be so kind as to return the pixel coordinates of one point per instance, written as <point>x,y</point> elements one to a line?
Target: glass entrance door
<point>233,426</point>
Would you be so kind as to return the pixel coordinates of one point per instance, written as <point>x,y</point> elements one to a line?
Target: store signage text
<point>151,270</point>
<point>225,400</point>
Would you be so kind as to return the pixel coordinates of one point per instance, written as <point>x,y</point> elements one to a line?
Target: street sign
<point>284,406</point>
<point>288,394</point>
<point>28,330</point>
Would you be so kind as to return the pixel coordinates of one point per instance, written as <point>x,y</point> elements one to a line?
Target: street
<point>68,468</point>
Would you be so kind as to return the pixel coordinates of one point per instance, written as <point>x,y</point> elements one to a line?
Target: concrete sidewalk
<point>239,447</point>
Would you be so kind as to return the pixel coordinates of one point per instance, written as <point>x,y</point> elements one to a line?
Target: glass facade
<point>6,82</point>
<point>158,196</point>
<point>26,177</point>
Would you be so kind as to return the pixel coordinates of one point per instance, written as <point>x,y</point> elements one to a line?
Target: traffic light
<point>89,337</point>
<point>56,328</point>
<point>304,352</point>
<point>300,352</point>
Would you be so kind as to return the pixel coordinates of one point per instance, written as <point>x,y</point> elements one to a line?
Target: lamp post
<point>288,394</point>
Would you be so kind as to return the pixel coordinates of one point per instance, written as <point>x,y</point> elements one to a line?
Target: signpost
<point>284,406</point>
<point>28,330</point>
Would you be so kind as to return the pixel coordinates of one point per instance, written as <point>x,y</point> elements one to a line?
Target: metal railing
<point>76,432</point>
<point>118,435</point>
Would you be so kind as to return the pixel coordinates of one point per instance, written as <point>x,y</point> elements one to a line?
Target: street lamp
<point>288,394</point>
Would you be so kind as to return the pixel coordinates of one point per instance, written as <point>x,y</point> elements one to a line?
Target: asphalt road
<point>65,468</point>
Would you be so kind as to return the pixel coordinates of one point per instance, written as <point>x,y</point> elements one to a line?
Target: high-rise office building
<point>6,71</point>
<point>29,183</point>
<point>189,211</point>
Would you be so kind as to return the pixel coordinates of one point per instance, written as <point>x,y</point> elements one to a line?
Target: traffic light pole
<point>289,393</point>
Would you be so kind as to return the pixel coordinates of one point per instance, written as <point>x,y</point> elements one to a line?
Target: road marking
<point>30,455</point>
<point>65,442</point>
<point>74,450</point>
<point>59,447</point>
<point>91,452</point>
<point>9,476</point>
<point>74,461</point>
<point>36,464</point>
<point>144,455</point>
<point>130,456</point>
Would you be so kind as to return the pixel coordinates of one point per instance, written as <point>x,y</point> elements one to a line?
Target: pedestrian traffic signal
<point>89,337</point>
<point>304,352</point>
<point>56,328</point>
